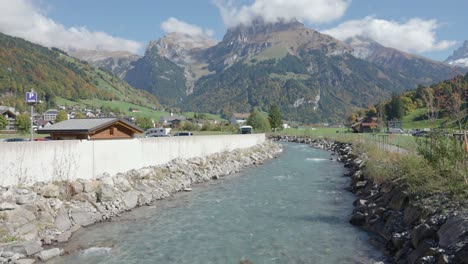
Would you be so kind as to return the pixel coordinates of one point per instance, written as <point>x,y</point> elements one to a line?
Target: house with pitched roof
<point>10,116</point>
<point>92,129</point>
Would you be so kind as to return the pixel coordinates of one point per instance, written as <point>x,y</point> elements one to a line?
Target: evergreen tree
<point>62,116</point>
<point>258,121</point>
<point>3,122</point>
<point>274,117</point>
<point>395,109</point>
<point>23,124</point>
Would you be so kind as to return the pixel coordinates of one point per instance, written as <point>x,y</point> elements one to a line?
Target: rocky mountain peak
<point>459,56</point>
<point>260,26</point>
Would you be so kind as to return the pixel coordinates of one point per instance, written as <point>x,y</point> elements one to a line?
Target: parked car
<point>15,140</point>
<point>395,131</point>
<point>158,136</point>
<point>421,133</point>
<point>179,134</point>
<point>43,139</point>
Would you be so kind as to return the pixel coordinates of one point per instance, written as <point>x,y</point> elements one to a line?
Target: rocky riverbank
<point>408,229</point>
<point>36,220</point>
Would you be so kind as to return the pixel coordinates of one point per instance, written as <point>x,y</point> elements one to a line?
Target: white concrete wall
<point>29,162</point>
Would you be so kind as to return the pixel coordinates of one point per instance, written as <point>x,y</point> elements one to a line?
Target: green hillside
<point>53,74</point>
<point>441,105</point>
<point>325,94</point>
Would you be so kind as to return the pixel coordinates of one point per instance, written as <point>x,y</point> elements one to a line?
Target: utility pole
<point>31,99</point>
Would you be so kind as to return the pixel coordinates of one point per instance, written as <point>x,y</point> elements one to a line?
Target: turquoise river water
<point>293,209</point>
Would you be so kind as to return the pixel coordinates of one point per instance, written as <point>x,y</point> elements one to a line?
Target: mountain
<point>415,69</point>
<point>116,62</point>
<point>459,56</point>
<point>53,74</point>
<point>170,67</point>
<point>311,76</point>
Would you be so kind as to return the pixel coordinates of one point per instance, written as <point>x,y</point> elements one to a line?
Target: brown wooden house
<point>92,129</point>
<point>365,125</point>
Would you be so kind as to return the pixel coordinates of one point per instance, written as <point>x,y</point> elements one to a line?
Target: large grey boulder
<point>76,188</point>
<point>107,193</point>
<point>399,200</point>
<point>27,198</point>
<point>130,199</point>
<point>62,221</point>
<point>358,219</point>
<point>82,217</point>
<point>49,254</point>
<point>7,206</point>
<point>27,248</point>
<point>50,191</point>
<point>25,261</point>
<point>454,228</point>
<point>63,237</point>
<point>420,233</point>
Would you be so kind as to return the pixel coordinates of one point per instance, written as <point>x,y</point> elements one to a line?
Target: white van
<point>158,132</point>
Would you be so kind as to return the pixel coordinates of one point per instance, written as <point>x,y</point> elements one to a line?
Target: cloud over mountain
<point>312,11</point>
<point>416,34</point>
<point>22,19</point>
<point>173,25</point>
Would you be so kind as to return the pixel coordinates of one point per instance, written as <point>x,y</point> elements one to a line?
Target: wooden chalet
<point>92,129</point>
<point>10,117</point>
<point>365,125</point>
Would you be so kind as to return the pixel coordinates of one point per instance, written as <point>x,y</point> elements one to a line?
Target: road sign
<point>31,97</point>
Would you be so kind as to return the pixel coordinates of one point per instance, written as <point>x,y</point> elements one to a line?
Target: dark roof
<point>7,111</point>
<point>85,125</point>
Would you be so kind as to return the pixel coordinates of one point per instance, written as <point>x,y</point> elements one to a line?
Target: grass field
<point>403,141</point>
<point>418,120</point>
<point>125,106</point>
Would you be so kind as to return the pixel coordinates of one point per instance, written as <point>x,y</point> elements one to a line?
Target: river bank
<point>46,215</point>
<point>407,228</point>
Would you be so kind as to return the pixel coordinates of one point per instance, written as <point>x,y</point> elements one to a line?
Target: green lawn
<point>418,120</point>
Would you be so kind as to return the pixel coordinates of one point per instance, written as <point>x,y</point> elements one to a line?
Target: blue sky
<point>429,28</point>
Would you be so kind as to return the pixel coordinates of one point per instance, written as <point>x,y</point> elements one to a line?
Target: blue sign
<point>31,97</point>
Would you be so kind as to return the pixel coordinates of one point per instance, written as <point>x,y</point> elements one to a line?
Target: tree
<point>23,124</point>
<point>3,122</point>
<point>62,116</point>
<point>258,121</point>
<point>371,111</point>
<point>432,105</point>
<point>79,115</point>
<point>274,117</point>
<point>395,109</point>
<point>144,122</point>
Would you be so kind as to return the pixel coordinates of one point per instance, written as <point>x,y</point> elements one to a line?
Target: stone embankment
<point>408,229</point>
<point>34,221</point>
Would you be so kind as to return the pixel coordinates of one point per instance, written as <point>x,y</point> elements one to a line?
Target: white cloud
<point>173,25</point>
<point>20,18</point>
<point>312,11</point>
<point>416,34</point>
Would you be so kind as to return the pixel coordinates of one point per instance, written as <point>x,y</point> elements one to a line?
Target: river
<point>292,209</point>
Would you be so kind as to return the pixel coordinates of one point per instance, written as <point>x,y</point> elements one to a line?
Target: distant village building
<point>92,129</point>
<point>239,118</point>
<point>50,115</point>
<point>10,115</point>
<point>173,121</point>
<point>41,123</point>
<point>365,125</point>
